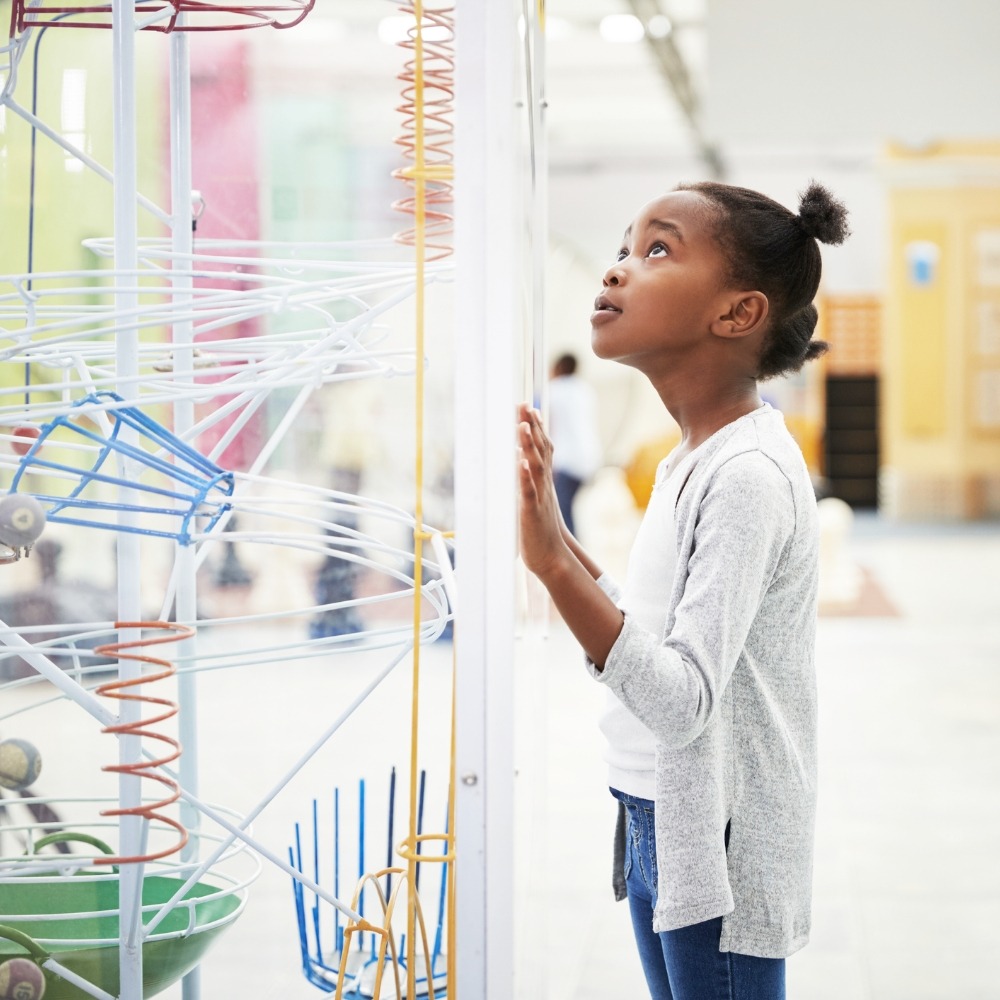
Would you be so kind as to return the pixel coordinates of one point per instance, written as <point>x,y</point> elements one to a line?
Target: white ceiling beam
<point>674,69</point>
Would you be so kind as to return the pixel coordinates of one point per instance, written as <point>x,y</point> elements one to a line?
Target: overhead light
<point>659,26</point>
<point>621,28</point>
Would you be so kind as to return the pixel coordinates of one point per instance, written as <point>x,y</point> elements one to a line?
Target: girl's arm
<point>736,573</point>
<point>581,554</point>
<point>554,555</point>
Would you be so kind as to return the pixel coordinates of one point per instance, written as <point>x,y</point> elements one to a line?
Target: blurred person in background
<point>576,447</point>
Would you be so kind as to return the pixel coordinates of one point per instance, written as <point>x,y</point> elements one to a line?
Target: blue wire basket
<point>174,491</point>
<point>321,926</point>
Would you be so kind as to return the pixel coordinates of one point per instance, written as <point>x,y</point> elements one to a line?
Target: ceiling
<point>602,96</point>
<point>616,96</point>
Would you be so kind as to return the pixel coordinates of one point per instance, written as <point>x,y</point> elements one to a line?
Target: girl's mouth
<point>603,304</point>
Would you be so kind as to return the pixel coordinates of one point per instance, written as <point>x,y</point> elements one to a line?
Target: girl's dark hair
<point>771,250</point>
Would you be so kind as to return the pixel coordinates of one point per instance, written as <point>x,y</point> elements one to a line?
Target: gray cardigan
<point>729,692</point>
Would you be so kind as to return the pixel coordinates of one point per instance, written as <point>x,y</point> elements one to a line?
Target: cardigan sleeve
<point>673,683</point>
<point>608,585</point>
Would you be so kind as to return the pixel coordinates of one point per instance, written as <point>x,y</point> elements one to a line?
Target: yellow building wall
<point>941,364</point>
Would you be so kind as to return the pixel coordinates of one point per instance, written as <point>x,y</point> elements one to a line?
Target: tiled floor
<point>907,878</point>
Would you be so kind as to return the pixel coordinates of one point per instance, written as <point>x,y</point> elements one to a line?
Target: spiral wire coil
<point>435,33</point>
<point>124,690</point>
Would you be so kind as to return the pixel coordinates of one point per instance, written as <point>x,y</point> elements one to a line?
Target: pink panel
<point>225,170</point>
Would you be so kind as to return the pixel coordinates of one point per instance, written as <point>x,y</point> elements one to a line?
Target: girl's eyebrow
<point>668,227</point>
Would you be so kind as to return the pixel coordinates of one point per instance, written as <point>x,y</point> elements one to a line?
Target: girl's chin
<point>609,352</point>
<point>596,340</point>
<point>601,346</point>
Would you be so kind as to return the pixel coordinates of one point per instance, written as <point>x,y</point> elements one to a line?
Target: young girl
<point>707,652</point>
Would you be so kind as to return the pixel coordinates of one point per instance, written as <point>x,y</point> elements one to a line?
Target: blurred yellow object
<point>640,473</point>
<point>808,434</point>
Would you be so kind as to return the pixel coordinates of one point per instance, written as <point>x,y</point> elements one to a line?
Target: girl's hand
<point>542,544</point>
<point>551,552</point>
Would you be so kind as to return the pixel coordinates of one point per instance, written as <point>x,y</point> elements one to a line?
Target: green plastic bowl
<point>78,942</point>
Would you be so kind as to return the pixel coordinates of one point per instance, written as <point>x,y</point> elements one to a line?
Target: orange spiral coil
<point>432,90</point>
<point>122,690</point>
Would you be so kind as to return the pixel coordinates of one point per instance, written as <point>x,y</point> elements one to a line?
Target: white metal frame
<point>487,214</point>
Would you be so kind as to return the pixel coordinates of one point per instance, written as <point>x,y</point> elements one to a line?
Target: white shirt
<point>631,749</point>
<point>572,421</point>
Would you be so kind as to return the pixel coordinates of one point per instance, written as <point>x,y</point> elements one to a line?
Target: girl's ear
<point>747,313</point>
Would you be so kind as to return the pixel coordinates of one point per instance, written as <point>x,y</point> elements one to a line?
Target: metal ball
<point>21,520</point>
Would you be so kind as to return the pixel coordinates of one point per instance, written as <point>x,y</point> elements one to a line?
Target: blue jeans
<point>567,487</point>
<point>685,964</point>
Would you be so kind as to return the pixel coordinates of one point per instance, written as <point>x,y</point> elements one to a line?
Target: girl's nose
<point>614,275</point>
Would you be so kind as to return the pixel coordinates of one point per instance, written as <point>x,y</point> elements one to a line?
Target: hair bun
<point>822,216</point>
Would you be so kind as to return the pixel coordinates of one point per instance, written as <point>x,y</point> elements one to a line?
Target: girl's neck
<point>703,405</point>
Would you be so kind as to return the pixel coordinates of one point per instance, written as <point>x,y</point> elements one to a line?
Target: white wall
<point>844,71</point>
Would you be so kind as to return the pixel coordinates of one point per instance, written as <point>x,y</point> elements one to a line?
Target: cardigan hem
<point>672,918</point>
<point>750,941</point>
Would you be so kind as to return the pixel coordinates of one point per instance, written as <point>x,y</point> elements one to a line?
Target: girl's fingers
<point>531,467</point>
<point>534,427</point>
<point>527,481</point>
<point>538,432</point>
<point>535,446</point>
<point>529,444</point>
<point>530,493</point>
<point>524,433</point>
<point>530,416</point>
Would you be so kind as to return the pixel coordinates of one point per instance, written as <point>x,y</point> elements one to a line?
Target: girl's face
<point>665,287</point>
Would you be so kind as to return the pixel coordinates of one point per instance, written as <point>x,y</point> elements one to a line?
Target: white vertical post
<point>487,215</point>
<point>532,959</point>
<point>182,241</point>
<point>539,202</point>
<point>129,553</point>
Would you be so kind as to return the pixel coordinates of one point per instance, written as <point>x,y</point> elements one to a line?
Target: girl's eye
<point>658,250</point>
<point>621,255</point>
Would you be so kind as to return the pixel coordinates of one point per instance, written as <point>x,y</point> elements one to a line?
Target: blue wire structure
<point>192,491</point>
<point>361,853</point>
<point>338,931</point>
<point>420,820</point>
<point>322,969</point>
<point>392,816</point>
